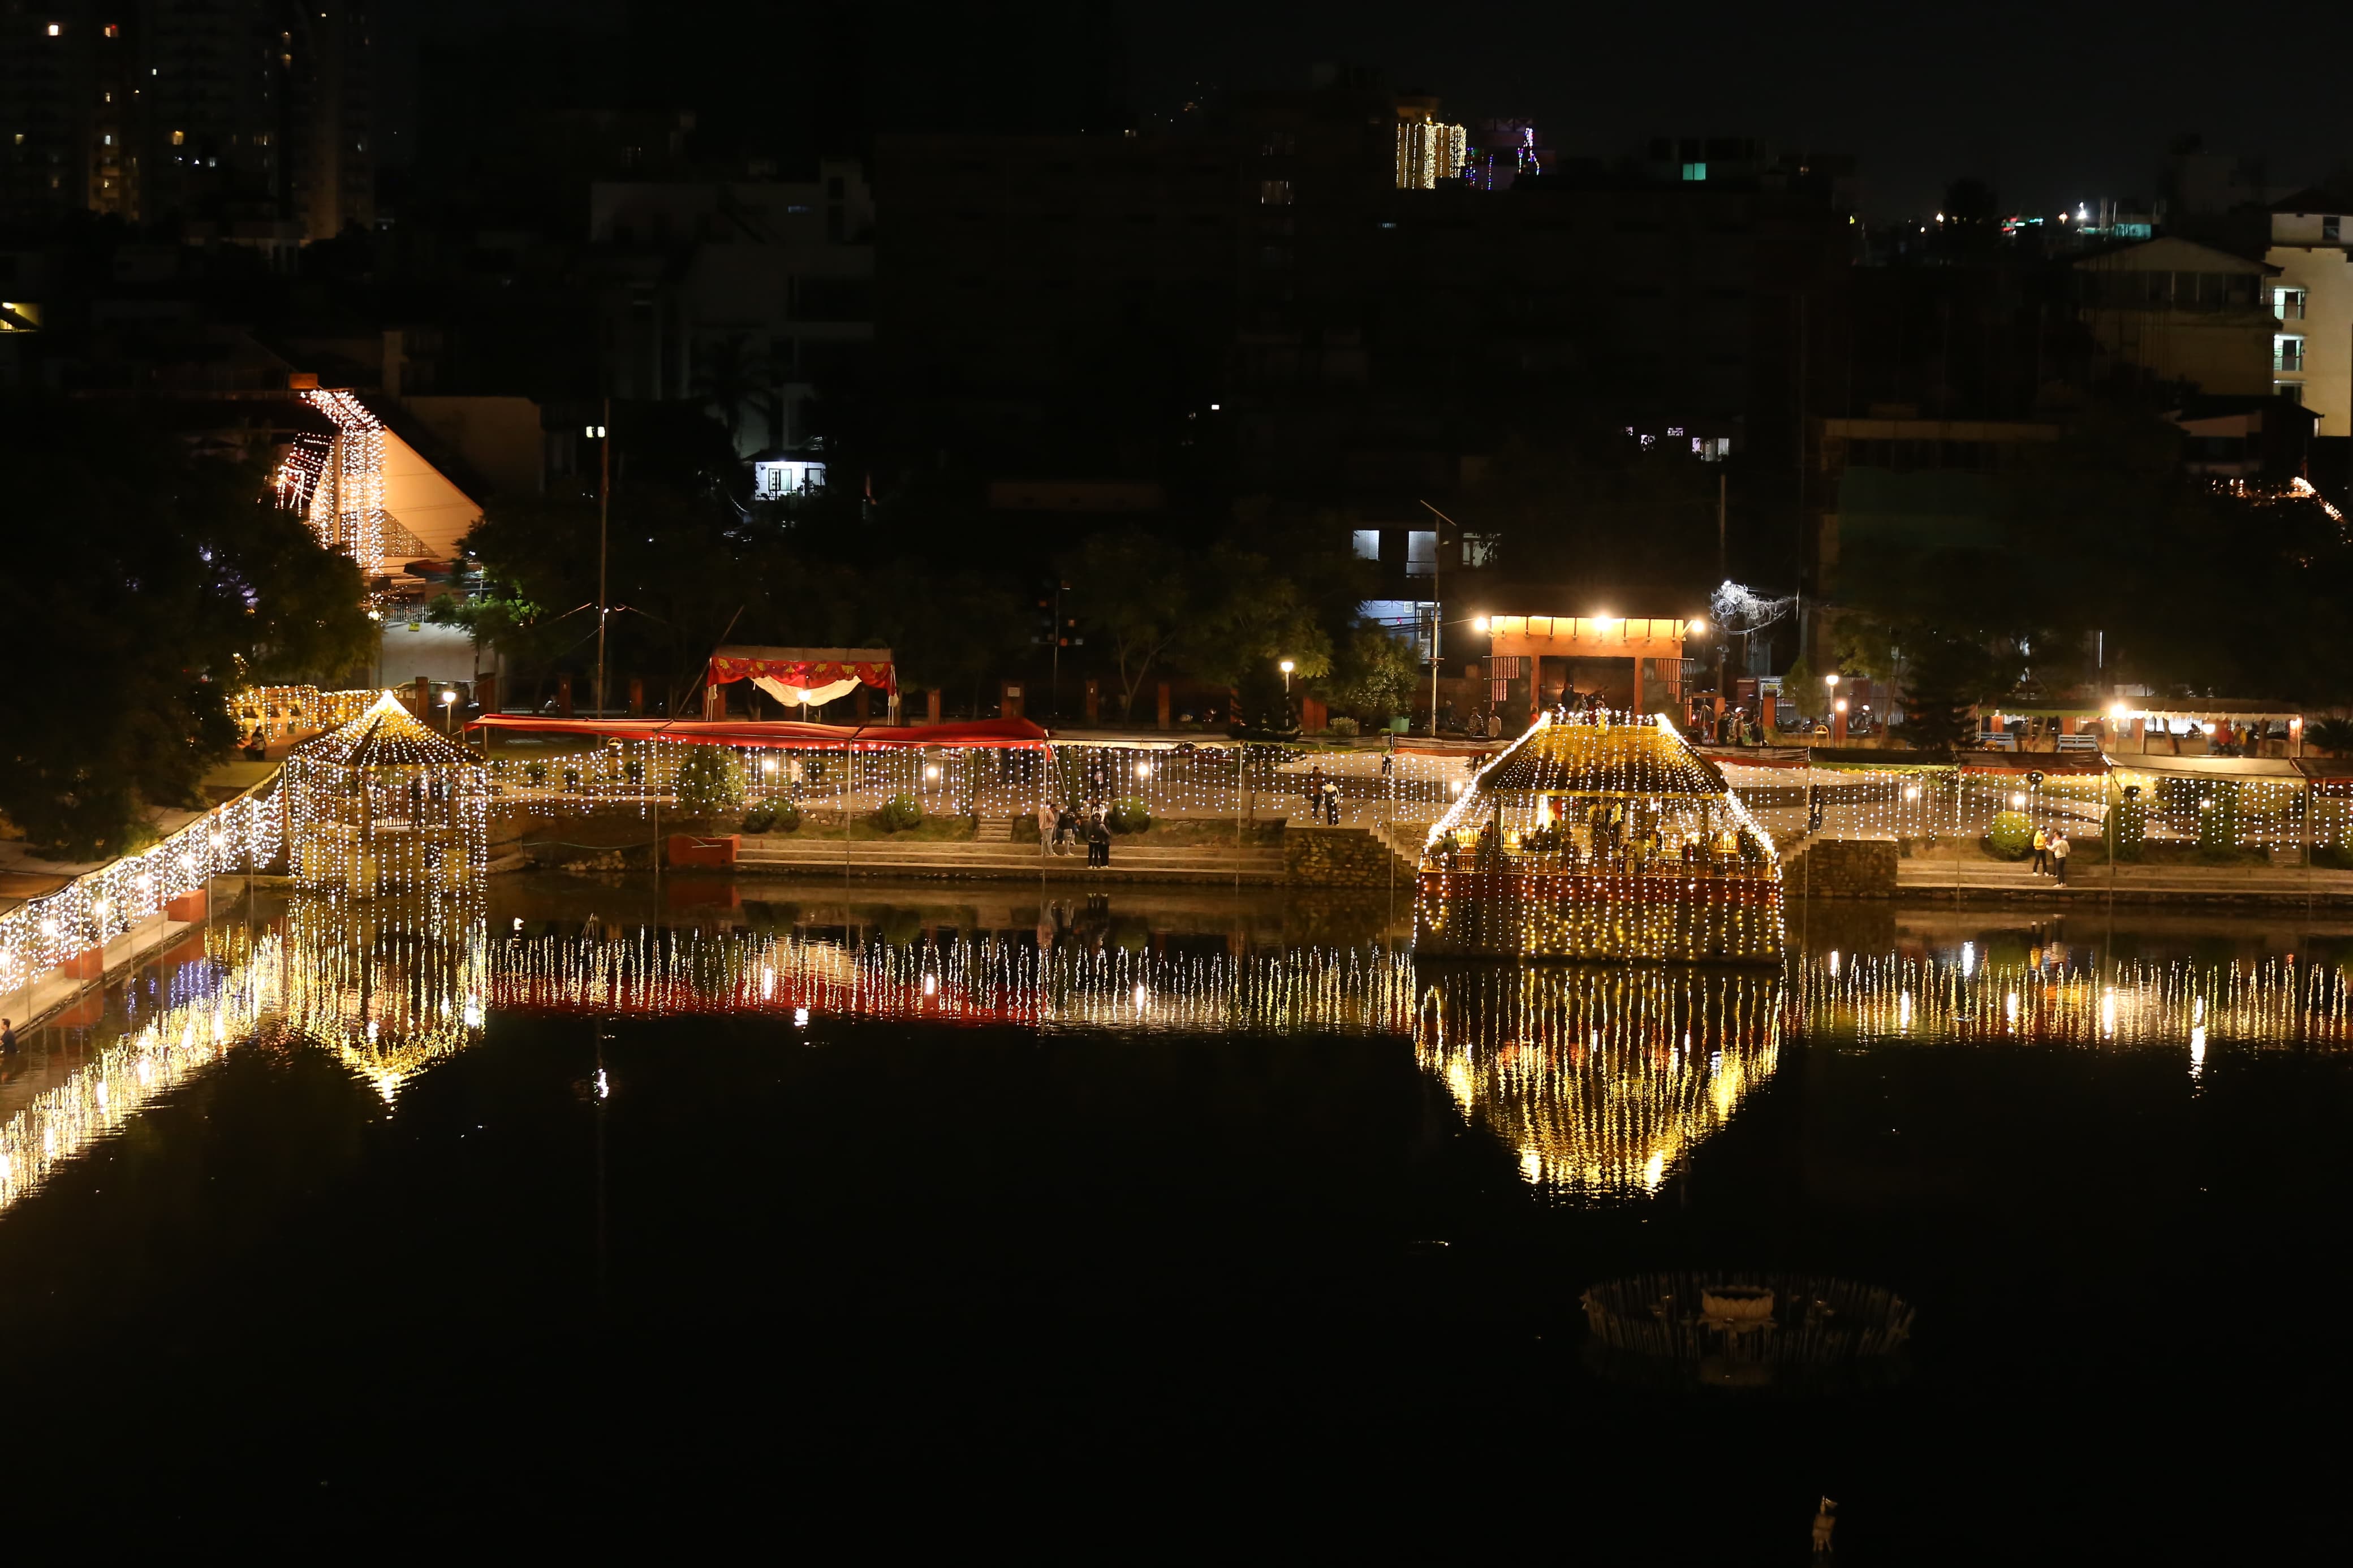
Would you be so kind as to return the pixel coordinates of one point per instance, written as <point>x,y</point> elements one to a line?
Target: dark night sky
<point>2052,102</point>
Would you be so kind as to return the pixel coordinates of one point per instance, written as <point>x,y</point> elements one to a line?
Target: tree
<point>1136,592</point>
<point>145,585</point>
<point>1945,675</point>
<point>1374,676</point>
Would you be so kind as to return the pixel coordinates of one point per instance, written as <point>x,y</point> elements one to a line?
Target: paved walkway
<point>2226,884</point>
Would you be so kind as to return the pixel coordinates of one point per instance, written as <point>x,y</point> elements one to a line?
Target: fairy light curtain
<point>1602,837</point>
<point>384,804</point>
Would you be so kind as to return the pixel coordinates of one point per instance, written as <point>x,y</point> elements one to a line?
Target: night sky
<point>2052,103</point>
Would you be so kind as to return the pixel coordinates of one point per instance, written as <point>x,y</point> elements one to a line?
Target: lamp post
<point>448,708</point>
<point>1286,666</point>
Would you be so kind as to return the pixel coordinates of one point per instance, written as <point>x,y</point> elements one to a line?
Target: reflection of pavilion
<point>390,987</point>
<point>1603,1080</point>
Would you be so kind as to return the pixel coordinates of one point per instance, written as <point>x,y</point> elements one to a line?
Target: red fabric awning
<point>806,667</point>
<point>999,732</point>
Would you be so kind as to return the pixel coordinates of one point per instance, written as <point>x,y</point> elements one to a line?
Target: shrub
<point>2128,828</point>
<point>899,814</point>
<point>2012,835</point>
<point>1025,828</point>
<point>1342,726</point>
<point>787,818</point>
<point>710,781</point>
<point>1130,817</point>
<point>759,819</point>
<point>536,771</point>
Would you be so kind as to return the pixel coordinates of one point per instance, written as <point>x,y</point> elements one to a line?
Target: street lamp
<point>1286,666</point>
<point>448,707</point>
<point>1479,623</point>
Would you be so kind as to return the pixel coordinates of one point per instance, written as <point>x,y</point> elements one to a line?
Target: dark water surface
<point>1214,1228</point>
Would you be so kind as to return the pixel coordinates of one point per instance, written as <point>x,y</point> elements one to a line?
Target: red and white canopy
<point>814,675</point>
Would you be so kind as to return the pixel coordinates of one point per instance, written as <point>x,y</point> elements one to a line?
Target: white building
<point>2312,350</point>
<point>746,296</point>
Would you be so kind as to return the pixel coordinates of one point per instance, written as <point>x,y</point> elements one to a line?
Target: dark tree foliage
<point>144,586</point>
<point>2107,559</point>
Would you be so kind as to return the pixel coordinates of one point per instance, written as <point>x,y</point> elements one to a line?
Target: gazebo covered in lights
<point>1599,837</point>
<point>384,804</point>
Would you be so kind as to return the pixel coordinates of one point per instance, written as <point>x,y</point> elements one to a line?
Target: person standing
<point>1099,841</point>
<point>7,1037</point>
<point>2059,849</point>
<point>2041,851</point>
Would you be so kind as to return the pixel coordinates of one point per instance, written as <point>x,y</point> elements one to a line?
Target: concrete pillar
<point>636,697</point>
<point>1164,705</point>
<point>932,706</point>
<point>1094,701</point>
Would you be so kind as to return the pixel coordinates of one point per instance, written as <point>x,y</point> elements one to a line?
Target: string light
<point>1604,835</point>
<point>384,804</point>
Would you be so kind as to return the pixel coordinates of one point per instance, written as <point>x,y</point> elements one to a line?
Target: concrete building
<point>2312,300</point>
<point>229,110</point>
<point>2180,312</point>
<point>747,296</point>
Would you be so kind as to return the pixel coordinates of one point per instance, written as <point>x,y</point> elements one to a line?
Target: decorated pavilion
<point>1602,837</point>
<point>384,804</point>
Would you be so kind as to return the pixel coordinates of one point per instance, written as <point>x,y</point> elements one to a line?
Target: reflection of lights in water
<point>604,1085</point>
<point>2197,1050</point>
<point>1578,1070</point>
<point>800,1017</point>
<point>1969,959</point>
<point>2009,1008</point>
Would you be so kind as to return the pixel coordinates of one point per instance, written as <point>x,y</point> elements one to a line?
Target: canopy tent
<point>1001,733</point>
<point>806,674</point>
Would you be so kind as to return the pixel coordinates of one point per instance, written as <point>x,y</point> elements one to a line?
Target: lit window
<point>54,29</point>
<point>1694,171</point>
<point>1368,544</point>
<point>2287,353</point>
<point>2288,304</point>
<point>112,31</point>
<point>179,138</point>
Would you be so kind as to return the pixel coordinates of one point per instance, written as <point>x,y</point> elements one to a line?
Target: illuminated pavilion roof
<point>387,736</point>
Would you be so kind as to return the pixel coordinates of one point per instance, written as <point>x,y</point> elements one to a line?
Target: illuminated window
<point>1368,544</point>
<point>179,138</point>
<point>2327,224</point>
<point>2287,353</point>
<point>113,31</point>
<point>1694,171</point>
<point>53,29</point>
<point>2288,304</point>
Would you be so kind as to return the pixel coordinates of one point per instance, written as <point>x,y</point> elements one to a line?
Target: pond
<point>571,1204</point>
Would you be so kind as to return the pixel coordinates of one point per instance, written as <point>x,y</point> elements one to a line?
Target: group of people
<point>1059,829</point>
<point>1479,725</point>
<point>1324,795</point>
<point>2050,852</point>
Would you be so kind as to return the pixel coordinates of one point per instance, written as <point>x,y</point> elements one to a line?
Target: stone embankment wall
<point>1842,869</point>
<point>1336,857</point>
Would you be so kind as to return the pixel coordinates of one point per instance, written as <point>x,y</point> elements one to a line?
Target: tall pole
<point>1437,604</point>
<point>1723,574</point>
<point>604,512</point>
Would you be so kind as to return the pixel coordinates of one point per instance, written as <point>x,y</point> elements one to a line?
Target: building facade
<point>747,295</point>
<point>2312,300</point>
<point>2180,311</point>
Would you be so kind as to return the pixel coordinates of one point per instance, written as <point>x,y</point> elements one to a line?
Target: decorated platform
<point>1601,837</point>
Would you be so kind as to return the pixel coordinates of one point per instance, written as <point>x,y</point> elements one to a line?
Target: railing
<point>1199,781</point>
<point>93,908</point>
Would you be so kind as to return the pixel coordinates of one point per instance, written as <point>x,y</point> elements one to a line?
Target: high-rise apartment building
<point>1427,149</point>
<point>192,109</point>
